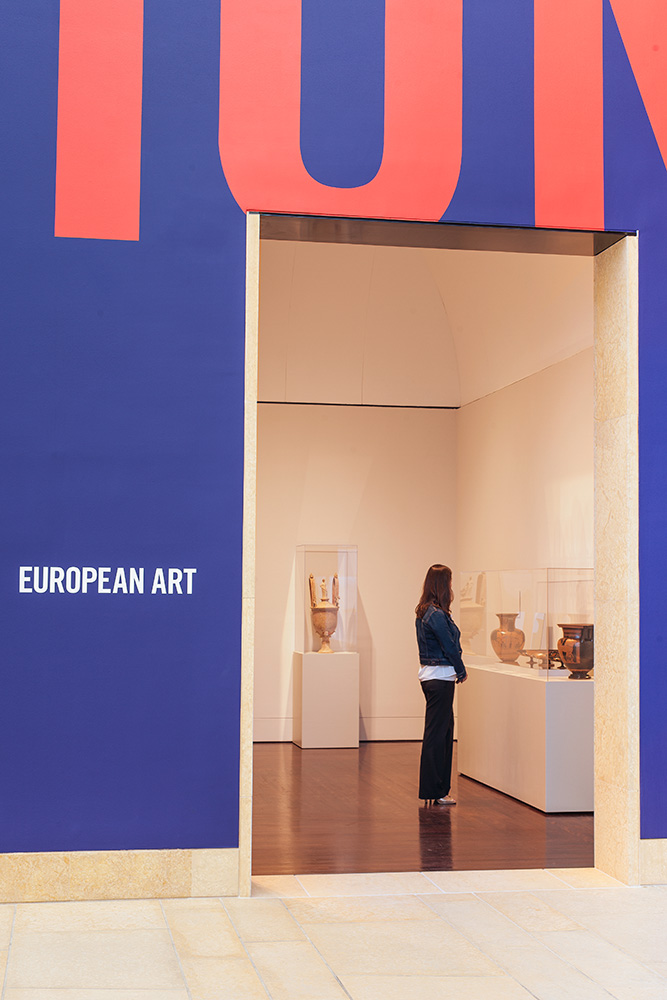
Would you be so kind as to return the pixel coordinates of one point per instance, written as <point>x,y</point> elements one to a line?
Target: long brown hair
<point>437,590</point>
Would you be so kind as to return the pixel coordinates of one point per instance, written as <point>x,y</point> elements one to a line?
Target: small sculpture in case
<point>324,612</point>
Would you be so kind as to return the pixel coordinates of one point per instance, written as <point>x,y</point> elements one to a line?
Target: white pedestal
<point>528,736</point>
<point>326,700</point>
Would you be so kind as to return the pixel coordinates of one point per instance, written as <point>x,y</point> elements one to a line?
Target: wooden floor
<point>319,811</point>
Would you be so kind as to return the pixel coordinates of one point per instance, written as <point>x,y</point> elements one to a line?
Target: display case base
<point>326,700</point>
<point>528,735</point>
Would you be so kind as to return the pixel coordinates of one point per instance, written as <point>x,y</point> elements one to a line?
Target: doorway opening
<point>425,393</point>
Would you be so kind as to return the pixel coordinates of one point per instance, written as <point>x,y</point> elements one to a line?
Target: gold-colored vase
<point>507,640</point>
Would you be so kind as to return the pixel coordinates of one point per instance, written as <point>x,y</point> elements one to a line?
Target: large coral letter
<point>98,159</point>
<point>569,141</point>
<point>260,112</point>
<point>643,28</point>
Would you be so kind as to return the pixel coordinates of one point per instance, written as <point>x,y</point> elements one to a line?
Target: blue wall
<point>122,379</point>
<point>122,435</point>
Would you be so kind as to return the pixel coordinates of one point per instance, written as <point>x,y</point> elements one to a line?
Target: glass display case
<point>529,619</point>
<point>318,627</point>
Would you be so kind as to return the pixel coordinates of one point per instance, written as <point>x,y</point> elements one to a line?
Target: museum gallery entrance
<point>423,393</point>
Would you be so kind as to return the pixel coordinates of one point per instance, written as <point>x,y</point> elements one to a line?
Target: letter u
<point>260,98</point>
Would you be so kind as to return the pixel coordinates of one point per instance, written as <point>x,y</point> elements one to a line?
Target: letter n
<point>643,28</point>
<point>569,138</point>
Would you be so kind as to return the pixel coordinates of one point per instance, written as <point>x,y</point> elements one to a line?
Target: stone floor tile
<point>409,947</point>
<point>352,909</point>
<point>115,959</point>
<point>202,929</point>
<point>659,967</point>
<point>525,879</point>
<point>601,961</point>
<point>434,988</point>
<point>585,878</point>
<point>633,919</point>
<point>277,885</point>
<point>545,975</point>
<point>222,979</point>
<point>639,992</point>
<point>515,950</point>
<point>375,883</point>
<point>262,920</point>
<point>293,970</point>
<point>478,921</point>
<point>530,912</point>
<point>100,915</point>
<point>7,911</point>
<point>61,994</point>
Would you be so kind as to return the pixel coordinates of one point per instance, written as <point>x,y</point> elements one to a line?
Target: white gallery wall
<point>525,472</point>
<point>365,476</point>
<point>502,480</point>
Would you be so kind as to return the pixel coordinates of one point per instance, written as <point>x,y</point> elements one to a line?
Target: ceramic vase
<point>507,640</point>
<point>325,620</point>
<point>575,649</point>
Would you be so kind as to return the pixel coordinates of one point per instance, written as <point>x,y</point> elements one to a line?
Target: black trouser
<point>435,768</point>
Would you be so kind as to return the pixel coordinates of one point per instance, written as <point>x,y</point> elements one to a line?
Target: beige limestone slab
<point>246,730</point>
<point>135,959</point>
<point>98,915</point>
<point>546,976</point>
<point>639,992</point>
<point>612,706</point>
<point>526,879</point>
<point>215,872</point>
<point>281,886</point>
<point>585,878</point>
<point>83,875</point>
<point>434,988</point>
<point>632,919</point>
<point>530,912</point>
<point>600,960</point>
<point>652,861</point>
<point>200,928</point>
<point>65,994</point>
<point>262,920</point>
<point>7,912</point>
<point>659,967</point>
<point>478,921</point>
<point>375,883</point>
<point>356,909</point>
<point>514,948</point>
<point>129,874</point>
<point>616,323</point>
<point>409,947</point>
<point>611,369</point>
<point>293,970</point>
<point>33,876</point>
<point>616,820</point>
<point>132,994</point>
<point>611,509</point>
<point>249,546</point>
<point>222,979</point>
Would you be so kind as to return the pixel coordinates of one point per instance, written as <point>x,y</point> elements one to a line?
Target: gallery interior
<point>425,399</point>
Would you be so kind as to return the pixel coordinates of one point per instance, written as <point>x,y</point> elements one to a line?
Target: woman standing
<point>441,666</point>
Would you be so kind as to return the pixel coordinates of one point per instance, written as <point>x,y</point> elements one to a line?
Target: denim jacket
<point>439,641</point>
